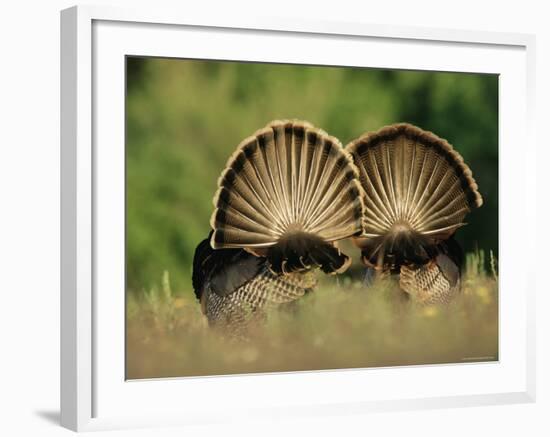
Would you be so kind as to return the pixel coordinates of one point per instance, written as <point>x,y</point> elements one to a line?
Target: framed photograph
<point>261,208</point>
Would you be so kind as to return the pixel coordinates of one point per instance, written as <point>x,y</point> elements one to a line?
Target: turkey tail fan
<point>418,191</point>
<point>288,193</point>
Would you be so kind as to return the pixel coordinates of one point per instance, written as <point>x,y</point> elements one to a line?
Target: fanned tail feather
<point>289,193</point>
<point>417,190</point>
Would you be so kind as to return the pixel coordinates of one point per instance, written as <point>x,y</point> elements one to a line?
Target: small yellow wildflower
<point>430,311</point>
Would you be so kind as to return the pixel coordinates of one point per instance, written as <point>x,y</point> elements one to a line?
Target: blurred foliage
<point>185,118</point>
<point>340,325</point>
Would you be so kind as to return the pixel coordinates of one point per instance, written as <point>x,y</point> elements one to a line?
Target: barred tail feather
<point>418,191</point>
<point>289,192</point>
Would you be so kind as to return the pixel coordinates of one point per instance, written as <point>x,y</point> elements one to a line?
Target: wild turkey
<point>417,192</point>
<point>286,196</point>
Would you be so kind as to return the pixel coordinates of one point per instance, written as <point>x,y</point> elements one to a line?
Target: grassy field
<point>340,325</point>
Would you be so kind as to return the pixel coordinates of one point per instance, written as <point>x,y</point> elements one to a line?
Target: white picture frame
<point>94,394</point>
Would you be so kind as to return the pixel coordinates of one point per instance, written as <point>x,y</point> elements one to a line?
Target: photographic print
<point>288,218</point>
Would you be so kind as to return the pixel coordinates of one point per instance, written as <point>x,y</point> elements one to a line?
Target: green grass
<point>340,325</point>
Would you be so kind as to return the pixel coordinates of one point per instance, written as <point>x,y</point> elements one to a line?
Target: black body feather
<point>223,271</point>
<point>300,251</point>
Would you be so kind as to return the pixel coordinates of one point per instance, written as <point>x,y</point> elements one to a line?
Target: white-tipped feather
<point>412,178</point>
<point>287,177</point>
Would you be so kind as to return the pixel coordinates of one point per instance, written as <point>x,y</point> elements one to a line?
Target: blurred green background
<point>185,118</point>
